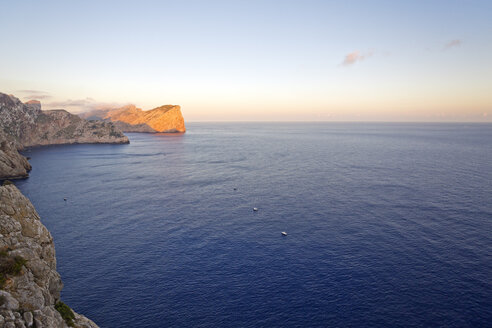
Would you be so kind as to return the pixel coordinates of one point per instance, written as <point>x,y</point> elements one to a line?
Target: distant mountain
<point>129,118</point>
<point>25,125</point>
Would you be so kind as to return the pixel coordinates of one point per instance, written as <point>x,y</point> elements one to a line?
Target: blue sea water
<point>389,225</point>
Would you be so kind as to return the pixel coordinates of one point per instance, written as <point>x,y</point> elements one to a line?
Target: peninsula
<point>167,119</point>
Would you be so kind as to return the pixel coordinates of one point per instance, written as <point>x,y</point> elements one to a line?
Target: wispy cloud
<point>73,103</point>
<point>452,44</point>
<point>33,94</point>
<point>355,57</point>
<point>80,105</point>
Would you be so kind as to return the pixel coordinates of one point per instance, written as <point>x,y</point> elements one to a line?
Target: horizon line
<point>409,122</point>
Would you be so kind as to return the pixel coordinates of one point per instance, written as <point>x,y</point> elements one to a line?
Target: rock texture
<point>26,125</point>
<point>12,164</point>
<point>166,118</point>
<point>28,298</point>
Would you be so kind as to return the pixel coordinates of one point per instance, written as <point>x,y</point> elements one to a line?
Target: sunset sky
<point>254,60</point>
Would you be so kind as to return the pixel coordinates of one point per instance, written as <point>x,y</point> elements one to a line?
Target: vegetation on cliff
<point>65,312</point>
<point>9,265</point>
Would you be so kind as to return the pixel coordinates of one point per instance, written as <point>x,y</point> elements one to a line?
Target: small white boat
<point>284,233</point>
<point>255,209</point>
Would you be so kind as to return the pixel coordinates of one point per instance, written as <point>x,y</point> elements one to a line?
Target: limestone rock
<point>166,118</point>
<point>7,301</point>
<point>54,127</point>
<point>36,288</point>
<point>12,164</point>
<point>28,318</point>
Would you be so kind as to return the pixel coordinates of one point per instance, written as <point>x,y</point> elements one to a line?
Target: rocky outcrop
<point>12,164</point>
<point>166,118</point>
<point>26,125</point>
<point>30,285</point>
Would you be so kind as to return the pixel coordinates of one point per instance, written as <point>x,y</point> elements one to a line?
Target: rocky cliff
<point>166,118</point>
<point>29,283</point>
<point>25,125</point>
<point>12,164</point>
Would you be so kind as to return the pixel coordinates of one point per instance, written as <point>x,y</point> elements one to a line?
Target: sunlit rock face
<point>28,297</point>
<point>166,118</point>
<point>25,125</point>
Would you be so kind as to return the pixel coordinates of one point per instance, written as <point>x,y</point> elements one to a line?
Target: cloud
<point>81,105</point>
<point>354,57</point>
<point>452,44</point>
<point>73,103</point>
<point>34,94</point>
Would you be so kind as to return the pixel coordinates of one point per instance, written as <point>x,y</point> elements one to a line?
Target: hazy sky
<point>254,60</point>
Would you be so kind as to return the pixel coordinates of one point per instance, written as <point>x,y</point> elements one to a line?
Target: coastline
<point>29,283</point>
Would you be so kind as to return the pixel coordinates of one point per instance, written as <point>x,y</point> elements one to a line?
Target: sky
<point>254,60</point>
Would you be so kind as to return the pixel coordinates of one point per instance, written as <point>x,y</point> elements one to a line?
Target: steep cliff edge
<point>26,125</point>
<point>166,118</point>
<point>12,164</point>
<point>29,283</point>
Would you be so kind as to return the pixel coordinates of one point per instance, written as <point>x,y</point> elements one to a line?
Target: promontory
<point>167,119</point>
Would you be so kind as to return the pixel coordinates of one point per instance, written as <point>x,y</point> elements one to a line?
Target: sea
<point>388,225</point>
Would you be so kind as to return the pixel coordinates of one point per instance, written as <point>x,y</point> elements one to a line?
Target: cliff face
<point>12,164</point>
<point>54,127</point>
<point>166,118</point>
<point>29,283</point>
<point>26,125</point>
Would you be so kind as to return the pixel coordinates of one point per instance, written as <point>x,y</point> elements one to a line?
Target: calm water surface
<point>388,225</point>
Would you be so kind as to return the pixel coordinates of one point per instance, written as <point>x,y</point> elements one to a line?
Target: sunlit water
<point>388,225</point>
